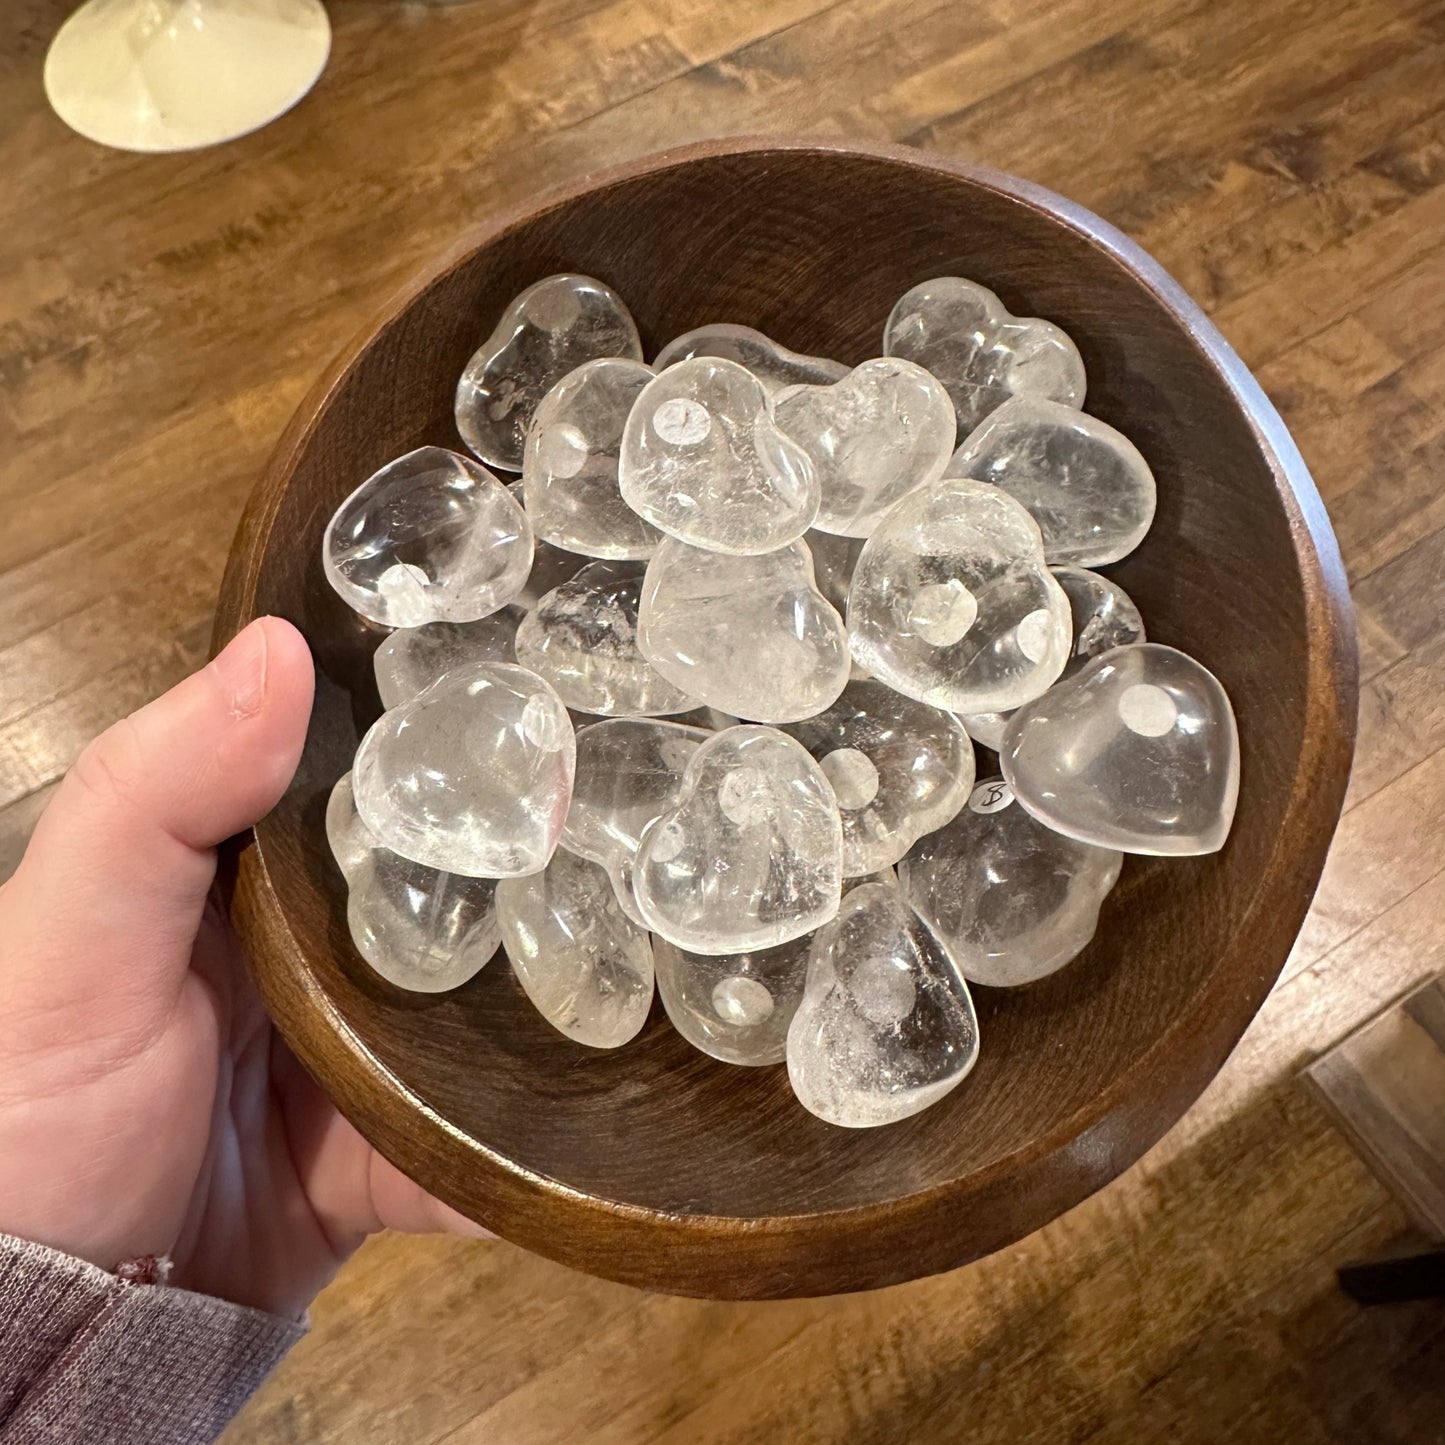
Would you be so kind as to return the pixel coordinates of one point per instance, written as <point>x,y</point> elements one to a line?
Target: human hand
<point>147,1106</point>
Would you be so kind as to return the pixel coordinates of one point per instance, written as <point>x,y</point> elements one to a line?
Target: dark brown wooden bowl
<point>654,1164</point>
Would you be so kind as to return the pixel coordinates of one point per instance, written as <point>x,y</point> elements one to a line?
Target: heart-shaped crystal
<point>773,365</point>
<point>1138,751</point>
<point>472,775</point>
<point>884,429</point>
<point>703,460</point>
<point>1084,483</point>
<point>751,856</point>
<point>964,335</point>
<point>899,768</point>
<point>584,964</point>
<point>952,602</point>
<point>419,928</point>
<point>886,1026</point>
<point>570,467</point>
<point>751,636</point>
<point>431,537</point>
<point>550,329</point>
<point>1010,899</point>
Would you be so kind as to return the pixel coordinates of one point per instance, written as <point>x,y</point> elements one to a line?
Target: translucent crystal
<point>415,657</point>
<point>884,429</point>
<point>1010,899</point>
<point>629,772</point>
<point>1103,617</point>
<point>1138,751</point>
<point>431,537</point>
<point>585,965</point>
<point>418,928</point>
<point>1084,483</point>
<point>773,365</point>
<point>751,855</point>
<point>886,1026</point>
<point>472,775</point>
<point>964,335</point>
<point>952,602</point>
<point>582,638</point>
<point>734,1006</point>
<point>550,329</point>
<point>570,466</point>
<point>834,559</point>
<point>899,768</point>
<point>752,636</point>
<point>703,460</point>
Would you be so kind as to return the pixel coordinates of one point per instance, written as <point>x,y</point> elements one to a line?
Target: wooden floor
<point>160,317</point>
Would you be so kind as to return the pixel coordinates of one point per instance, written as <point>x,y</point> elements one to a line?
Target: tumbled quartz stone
<point>884,429</point>
<point>751,636</point>
<point>773,365</point>
<point>1138,751</point>
<point>582,638</point>
<point>953,604</point>
<point>584,964</point>
<point>570,466</point>
<point>983,355</point>
<point>415,657</point>
<point>899,769</point>
<point>1084,483</point>
<point>1011,900</point>
<point>1103,616</point>
<point>733,1006</point>
<point>419,928</point>
<point>431,537</point>
<point>472,775</point>
<point>751,854</point>
<point>629,772</point>
<point>550,329</point>
<point>886,1026</point>
<point>703,459</point>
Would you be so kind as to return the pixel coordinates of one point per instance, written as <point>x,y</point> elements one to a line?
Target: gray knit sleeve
<point>85,1356</point>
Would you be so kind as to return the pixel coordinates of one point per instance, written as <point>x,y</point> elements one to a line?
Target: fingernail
<point>241,668</point>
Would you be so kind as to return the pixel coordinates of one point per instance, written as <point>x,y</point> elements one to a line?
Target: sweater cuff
<point>84,1356</point>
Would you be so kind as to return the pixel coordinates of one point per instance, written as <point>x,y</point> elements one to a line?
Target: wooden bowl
<point>653,1164</point>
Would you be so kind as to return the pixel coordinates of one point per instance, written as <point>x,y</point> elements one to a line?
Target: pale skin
<point>147,1106</point>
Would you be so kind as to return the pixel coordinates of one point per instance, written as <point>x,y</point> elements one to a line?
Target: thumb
<point>107,900</point>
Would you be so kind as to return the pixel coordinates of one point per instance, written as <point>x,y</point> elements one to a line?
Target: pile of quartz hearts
<point>695,700</point>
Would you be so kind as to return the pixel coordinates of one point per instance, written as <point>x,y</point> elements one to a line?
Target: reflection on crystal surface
<point>703,459</point>
<point>886,1026</point>
<point>431,537</point>
<point>964,335</point>
<point>952,602</point>
<point>419,928</point>
<point>773,365</point>
<point>1084,483</point>
<point>415,657</point>
<point>584,964</point>
<point>899,769</point>
<point>472,775</point>
<point>751,855</point>
<point>751,636</point>
<point>550,329</point>
<point>629,772</point>
<point>1011,900</point>
<point>734,1006</point>
<point>1138,751</point>
<point>582,638</point>
<point>570,467</point>
<point>884,429</point>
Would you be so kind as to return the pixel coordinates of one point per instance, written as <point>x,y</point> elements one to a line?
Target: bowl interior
<point>813,247</point>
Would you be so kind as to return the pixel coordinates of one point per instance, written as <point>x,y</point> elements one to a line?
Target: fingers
<point>107,900</point>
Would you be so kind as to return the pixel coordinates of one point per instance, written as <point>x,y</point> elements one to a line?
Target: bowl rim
<point>833,1250</point>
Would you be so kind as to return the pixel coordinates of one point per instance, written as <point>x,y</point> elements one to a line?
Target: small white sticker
<point>990,797</point>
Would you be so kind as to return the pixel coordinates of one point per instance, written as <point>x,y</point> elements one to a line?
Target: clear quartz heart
<point>773,365</point>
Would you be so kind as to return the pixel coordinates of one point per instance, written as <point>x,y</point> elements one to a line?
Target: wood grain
<point>161,317</point>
